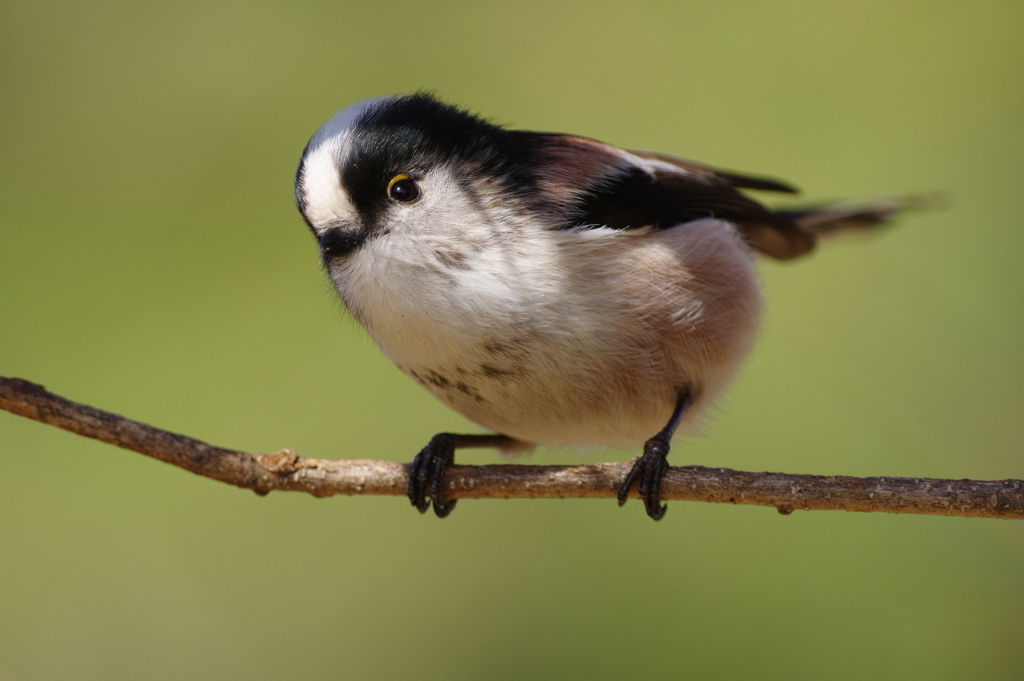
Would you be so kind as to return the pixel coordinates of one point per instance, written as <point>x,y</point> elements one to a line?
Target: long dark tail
<point>826,219</point>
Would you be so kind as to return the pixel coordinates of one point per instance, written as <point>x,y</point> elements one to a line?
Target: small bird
<point>551,288</point>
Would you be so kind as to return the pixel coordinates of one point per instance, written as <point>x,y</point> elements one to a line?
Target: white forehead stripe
<point>325,199</point>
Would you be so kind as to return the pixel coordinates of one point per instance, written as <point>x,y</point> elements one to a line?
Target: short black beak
<point>336,242</point>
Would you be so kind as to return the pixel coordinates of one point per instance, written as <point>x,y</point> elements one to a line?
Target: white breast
<point>560,337</point>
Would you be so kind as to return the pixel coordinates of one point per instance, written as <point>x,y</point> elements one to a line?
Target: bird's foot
<point>648,471</point>
<point>426,475</point>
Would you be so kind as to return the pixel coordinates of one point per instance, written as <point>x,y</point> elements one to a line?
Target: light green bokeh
<point>152,264</point>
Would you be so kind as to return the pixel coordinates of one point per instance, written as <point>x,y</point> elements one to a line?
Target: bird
<point>551,288</point>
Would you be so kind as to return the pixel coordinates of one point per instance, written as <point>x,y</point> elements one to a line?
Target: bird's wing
<point>616,188</point>
<point>741,181</point>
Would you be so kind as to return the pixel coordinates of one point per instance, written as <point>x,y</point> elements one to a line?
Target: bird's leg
<point>426,473</point>
<point>651,467</point>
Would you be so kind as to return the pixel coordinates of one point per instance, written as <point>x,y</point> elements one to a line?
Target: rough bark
<point>285,470</point>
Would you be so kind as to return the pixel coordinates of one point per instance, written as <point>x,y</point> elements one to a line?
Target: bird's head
<point>410,164</point>
<point>414,166</point>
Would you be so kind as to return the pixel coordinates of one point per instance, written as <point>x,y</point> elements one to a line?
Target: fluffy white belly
<point>562,337</point>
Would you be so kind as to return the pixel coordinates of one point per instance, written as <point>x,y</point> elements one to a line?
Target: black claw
<point>630,478</point>
<point>415,491</point>
<point>649,469</point>
<point>443,508</point>
<point>426,475</point>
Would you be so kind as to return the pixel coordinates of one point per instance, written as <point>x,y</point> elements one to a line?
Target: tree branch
<point>285,470</point>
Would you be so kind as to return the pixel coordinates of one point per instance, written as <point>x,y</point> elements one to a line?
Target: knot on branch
<point>281,462</point>
<point>26,387</point>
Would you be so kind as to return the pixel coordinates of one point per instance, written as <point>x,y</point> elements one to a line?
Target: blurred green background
<point>152,263</point>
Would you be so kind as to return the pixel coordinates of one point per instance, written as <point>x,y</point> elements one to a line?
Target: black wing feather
<point>637,199</point>
<point>741,180</point>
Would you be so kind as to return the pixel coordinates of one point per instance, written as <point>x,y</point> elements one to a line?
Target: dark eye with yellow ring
<point>403,188</point>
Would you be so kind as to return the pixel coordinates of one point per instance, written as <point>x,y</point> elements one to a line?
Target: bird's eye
<point>403,188</point>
